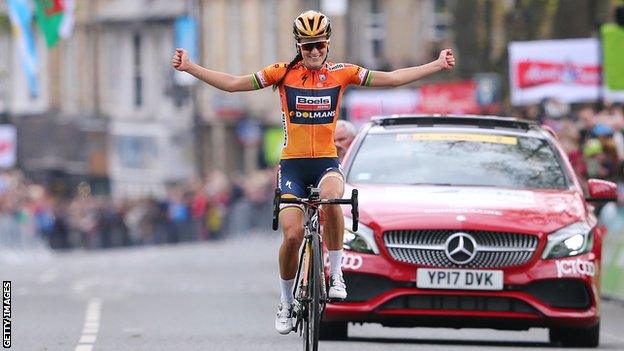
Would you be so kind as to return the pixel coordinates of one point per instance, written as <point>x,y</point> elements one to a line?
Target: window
<point>269,33</point>
<point>138,79</point>
<point>71,79</point>
<point>235,40</point>
<point>442,20</point>
<point>140,152</point>
<point>370,33</point>
<point>458,159</point>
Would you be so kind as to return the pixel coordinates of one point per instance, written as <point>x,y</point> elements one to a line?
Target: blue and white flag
<point>21,14</point>
<point>186,37</point>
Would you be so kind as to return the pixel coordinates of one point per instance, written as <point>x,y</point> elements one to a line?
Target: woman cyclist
<point>310,89</point>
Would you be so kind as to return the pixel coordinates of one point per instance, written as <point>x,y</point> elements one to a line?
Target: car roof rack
<point>473,120</point>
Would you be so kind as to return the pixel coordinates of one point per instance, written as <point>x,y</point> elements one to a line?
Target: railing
<point>19,241</point>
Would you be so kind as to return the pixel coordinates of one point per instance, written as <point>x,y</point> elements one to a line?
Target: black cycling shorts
<point>295,175</point>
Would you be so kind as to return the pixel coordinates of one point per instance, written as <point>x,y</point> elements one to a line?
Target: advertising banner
<point>273,140</point>
<point>363,104</point>
<point>449,98</point>
<point>613,52</point>
<point>443,98</point>
<point>8,148</point>
<point>568,70</point>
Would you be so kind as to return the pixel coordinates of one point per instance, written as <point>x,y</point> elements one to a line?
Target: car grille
<point>562,293</point>
<point>363,287</point>
<point>458,302</point>
<point>426,248</point>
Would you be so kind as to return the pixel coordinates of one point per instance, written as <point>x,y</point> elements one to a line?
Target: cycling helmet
<point>311,24</point>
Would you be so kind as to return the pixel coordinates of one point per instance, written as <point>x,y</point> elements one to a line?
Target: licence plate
<point>460,279</point>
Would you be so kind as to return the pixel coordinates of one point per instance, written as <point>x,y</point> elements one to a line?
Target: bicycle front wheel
<point>313,313</point>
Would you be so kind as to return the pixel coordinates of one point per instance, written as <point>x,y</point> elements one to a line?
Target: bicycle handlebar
<point>353,201</point>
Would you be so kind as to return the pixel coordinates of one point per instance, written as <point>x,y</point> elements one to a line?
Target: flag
<point>67,25</point>
<point>49,17</point>
<point>613,51</point>
<point>186,36</point>
<point>21,15</point>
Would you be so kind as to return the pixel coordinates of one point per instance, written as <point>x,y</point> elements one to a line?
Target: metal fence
<point>19,241</point>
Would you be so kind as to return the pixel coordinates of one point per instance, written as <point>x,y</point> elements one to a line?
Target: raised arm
<point>446,61</point>
<point>219,80</point>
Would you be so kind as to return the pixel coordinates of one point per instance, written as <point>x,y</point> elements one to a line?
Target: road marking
<point>88,330</point>
<point>87,339</point>
<point>91,325</point>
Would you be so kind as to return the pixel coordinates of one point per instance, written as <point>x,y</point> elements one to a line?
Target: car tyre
<point>333,331</point>
<point>576,337</point>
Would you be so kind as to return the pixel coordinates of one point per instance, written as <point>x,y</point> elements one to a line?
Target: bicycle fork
<point>304,263</point>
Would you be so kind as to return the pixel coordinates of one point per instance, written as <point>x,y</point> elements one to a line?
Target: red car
<point>470,221</point>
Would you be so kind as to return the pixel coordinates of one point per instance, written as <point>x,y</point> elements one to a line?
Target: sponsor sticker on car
<point>484,138</point>
<point>575,267</point>
<point>459,279</point>
<point>349,261</point>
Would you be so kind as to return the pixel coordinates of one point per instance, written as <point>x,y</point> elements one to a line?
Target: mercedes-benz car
<point>470,221</point>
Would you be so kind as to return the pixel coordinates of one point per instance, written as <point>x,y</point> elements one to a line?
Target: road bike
<point>310,293</point>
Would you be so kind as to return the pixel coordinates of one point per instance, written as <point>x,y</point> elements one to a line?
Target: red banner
<point>534,73</point>
<point>455,97</point>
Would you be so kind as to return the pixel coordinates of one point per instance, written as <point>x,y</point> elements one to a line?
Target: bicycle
<point>310,293</point>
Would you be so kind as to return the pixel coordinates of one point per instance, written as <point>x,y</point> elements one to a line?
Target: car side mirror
<point>601,190</point>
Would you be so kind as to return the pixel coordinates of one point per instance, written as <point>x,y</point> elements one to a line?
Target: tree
<point>483,28</point>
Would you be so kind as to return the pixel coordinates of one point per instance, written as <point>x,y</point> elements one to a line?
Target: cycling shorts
<point>296,174</point>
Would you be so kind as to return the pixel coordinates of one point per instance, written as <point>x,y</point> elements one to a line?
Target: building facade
<point>112,111</point>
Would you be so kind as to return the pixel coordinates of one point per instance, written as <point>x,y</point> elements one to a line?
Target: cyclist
<point>310,89</point>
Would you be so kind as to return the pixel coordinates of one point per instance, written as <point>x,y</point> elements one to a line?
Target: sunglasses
<point>319,45</point>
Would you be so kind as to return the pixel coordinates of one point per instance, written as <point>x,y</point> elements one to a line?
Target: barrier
<point>613,252</point>
<point>19,241</point>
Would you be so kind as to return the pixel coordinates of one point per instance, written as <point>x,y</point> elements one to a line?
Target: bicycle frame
<point>310,290</point>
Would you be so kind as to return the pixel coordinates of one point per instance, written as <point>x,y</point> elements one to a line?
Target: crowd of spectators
<point>592,137</point>
<point>205,209</point>
<point>220,205</point>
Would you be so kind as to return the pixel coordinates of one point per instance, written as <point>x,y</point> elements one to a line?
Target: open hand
<point>446,59</point>
<point>180,60</point>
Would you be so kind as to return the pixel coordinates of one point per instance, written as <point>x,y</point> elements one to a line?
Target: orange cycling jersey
<point>311,104</point>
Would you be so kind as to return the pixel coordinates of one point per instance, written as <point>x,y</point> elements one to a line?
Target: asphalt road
<point>207,296</point>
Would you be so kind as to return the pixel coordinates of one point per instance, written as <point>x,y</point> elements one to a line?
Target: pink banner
<point>454,97</point>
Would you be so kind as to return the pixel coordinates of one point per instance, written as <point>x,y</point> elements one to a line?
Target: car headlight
<point>361,241</point>
<point>573,240</point>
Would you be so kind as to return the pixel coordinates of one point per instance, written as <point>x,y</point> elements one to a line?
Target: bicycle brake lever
<point>276,209</point>
<point>355,215</point>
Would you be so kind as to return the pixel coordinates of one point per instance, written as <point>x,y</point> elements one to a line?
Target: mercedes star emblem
<point>460,248</point>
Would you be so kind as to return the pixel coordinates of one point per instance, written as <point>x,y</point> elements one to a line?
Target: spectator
<point>587,120</point>
<point>595,158</point>
<point>344,135</point>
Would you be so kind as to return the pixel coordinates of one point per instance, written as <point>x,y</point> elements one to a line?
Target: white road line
<point>87,339</point>
<point>88,330</point>
<point>91,325</point>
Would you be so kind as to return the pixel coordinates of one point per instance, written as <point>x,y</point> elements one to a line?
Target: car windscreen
<point>457,159</point>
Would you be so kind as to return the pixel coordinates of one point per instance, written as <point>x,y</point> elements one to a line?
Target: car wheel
<point>333,331</point>
<point>576,337</point>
